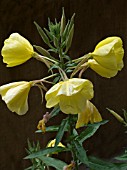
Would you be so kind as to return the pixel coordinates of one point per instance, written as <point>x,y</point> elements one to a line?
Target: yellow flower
<point>71,95</point>
<point>90,114</point>
<point>16,50</point>
<point>52,144</point>
<point>107,57</point>
<point>15,96</point>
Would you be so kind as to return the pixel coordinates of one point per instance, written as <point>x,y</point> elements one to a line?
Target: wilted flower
<point>71,95</point>
<point>107,57</point>
<point>90,114</point>
<point>15,96</point>
<point>16,50</point>
<point>52,144</point>
<point>41,125</point>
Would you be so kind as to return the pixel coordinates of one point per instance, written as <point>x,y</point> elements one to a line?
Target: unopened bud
<point>116,115</point>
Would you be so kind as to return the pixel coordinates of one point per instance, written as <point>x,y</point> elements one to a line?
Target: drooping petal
<point>15,96</point>
<point>72,104</point>
<point>90,114</point>
<point>51,95</point>
<point>102,71</point>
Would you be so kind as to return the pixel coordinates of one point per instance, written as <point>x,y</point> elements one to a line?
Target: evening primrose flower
<point>71,95</point>
<point>16,50</point>
<point>15,96</point>
<point>107,58</point>
<point>90,114</point>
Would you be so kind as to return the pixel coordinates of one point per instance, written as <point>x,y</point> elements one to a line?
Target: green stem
<point>61,58</point>
<point>42,58</point>
<point>45,78</point>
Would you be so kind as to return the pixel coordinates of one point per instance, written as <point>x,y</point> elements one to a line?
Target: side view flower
<point>16,50</point>
<point>15,96</point>
<point>71,95</point>
<point>107,58</point>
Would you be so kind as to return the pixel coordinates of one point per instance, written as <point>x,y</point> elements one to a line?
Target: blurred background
<point>94,21</point>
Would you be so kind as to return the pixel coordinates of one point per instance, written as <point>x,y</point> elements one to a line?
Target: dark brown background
<point>94,21</point>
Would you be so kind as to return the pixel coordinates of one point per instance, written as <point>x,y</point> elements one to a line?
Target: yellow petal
<point>102,71</point>
<point>51,95</point>
<point>15,96</point>
<point>90,114</point>
<point>72,104</point>
<point>109,55</point>
<point>16,50</point>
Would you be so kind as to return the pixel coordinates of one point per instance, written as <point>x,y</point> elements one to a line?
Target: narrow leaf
<point>90,131</point>
<point>46,151</point>
<point>57,164</point>
<point>81,153</point>
<point>61,131</point>
<point>96,164</point>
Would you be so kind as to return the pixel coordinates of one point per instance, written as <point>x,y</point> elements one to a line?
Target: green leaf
<point>49,129</point>
<point>122,157</point>
<point>55,111</point>
<point>96,164</point>
<point>62,128</point>
<point>57,164</point>
<point>80,152</point>
<point>46,151</point>
<point>90,131</point>
<point>56,79</point>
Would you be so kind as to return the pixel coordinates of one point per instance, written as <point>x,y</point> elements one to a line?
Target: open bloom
<point>71,95</point>
<point>90,114</point>
<point>15,96</point>
<point>16,50</point>
<point>107,58</point>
